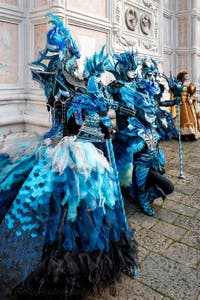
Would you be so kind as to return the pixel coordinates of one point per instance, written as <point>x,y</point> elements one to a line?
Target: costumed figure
<point>140,161</point>
<point>64,233</point>
<point>176,87</point>
<point>164,119</point>
<point>189,112</point>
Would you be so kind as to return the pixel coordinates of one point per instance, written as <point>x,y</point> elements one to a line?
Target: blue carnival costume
<point>140,161</point>
<point>63,228</point>
<point>164,119</point>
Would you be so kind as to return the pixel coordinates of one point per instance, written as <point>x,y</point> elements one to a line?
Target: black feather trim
<point>72,275</point>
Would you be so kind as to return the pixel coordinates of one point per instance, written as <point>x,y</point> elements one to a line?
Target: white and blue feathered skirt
<point>63,229</point>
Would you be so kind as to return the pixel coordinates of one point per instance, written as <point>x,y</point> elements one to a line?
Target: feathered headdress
<point>149,65</point>
<point>95,65</point>
<point>120,64</point>
<point>175,85</point>
<point>59,36</point>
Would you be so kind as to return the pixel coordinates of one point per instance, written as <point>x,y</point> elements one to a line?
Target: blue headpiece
<point>119,65</point>
<point>59,55</point>
<point>175,85</point>
<point>95,65</point>
<point>60,37</point>
<point>149,66</point>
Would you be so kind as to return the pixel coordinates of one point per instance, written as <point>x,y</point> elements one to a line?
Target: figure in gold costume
<point>189,113</point>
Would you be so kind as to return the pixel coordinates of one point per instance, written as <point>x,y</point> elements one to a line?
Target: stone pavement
<point>169,242</point>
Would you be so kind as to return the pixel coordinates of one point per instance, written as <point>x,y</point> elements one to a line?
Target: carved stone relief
<point>150,3</point>
<point>145,23</point>
<point>118,11</point>
<point>126,41</point>
<point>148,45</point>
<point>131,18</point>
<point>138,25</point>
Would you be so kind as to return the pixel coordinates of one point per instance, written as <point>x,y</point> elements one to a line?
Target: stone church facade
<point>168,30</point>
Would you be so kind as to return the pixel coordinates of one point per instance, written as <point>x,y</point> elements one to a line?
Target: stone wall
<point>181,38</point>
<point>89,26</point>
<point>165,29</point>
<point>12,60</point>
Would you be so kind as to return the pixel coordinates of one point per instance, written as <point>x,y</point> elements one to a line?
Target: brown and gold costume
<point>189,114</point>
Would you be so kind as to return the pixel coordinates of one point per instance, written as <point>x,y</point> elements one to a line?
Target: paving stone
<point>192,239</point>
<point>172,172</point>
<point>152,240</point>
<point>169,230</point>
<point>173,163</point>
<point>143,220</point>
<point>142,253</point>
<point>183,254</point>
<point>130,289</point>
<point>194,170</point>
<point>177,196</point>
<point>191,224</point>
<point>197,216</point>
<point>180,198</point>
<point>136,227</point>
<point>170,278</point>
<point>166,215</point>
<point>131,209</point>
<point>180,208</point>
<point>187,176</point>
<point>185,187</point>
<point>192,200</point>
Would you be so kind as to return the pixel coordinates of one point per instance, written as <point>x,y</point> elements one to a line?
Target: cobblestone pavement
<point>169,242</point>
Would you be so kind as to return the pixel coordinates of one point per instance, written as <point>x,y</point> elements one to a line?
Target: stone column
<point>195,45</point>
<point>188,39</point>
